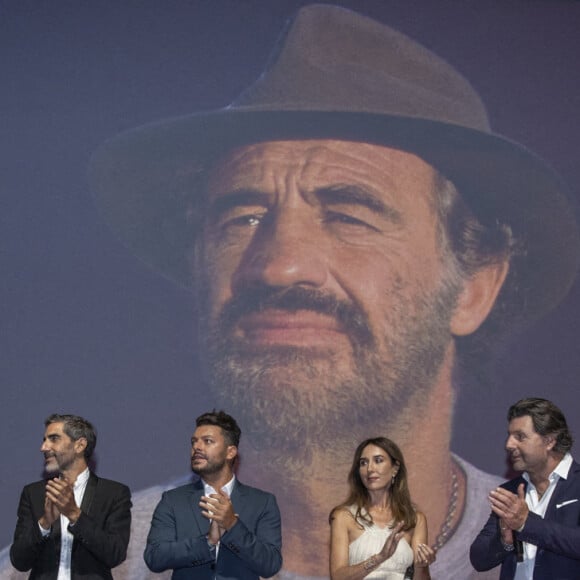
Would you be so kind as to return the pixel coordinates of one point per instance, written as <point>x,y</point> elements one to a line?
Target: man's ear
<point>231,452</point>
<point>80,445</point>
<point>477,298</point>
<point>550,442</point>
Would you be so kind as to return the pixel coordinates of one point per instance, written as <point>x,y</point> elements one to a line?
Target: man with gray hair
<point>73,524</point>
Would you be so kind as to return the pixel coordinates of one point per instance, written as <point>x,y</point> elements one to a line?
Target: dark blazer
<point>101,534</point>
<point>250,549</point>
<point>557,535</point>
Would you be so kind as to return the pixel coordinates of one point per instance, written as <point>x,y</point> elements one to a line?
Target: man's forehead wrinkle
<point>310,161</point>
<point>235,175</point>
<point>323,173</point>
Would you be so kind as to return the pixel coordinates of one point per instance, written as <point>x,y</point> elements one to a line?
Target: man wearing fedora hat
<point>350,227</point>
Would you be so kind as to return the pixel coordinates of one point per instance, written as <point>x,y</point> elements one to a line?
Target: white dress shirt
<point>66,538</point>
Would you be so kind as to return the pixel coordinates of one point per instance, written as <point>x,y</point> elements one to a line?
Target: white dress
<point>370,542</point>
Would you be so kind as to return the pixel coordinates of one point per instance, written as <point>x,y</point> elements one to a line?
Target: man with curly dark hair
<point>533,531</point>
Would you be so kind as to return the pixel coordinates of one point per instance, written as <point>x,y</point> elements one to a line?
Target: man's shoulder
<point>183,490</point>
<point>109,485</point>
<point>35,487</point>
<point>36,484</point>
<point>574,469</point>
<point>248,490</point>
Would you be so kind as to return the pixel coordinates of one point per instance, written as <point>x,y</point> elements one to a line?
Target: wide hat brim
<point>313,89</point>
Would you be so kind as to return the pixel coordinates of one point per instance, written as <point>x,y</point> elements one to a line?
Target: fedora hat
<point>335,74</point>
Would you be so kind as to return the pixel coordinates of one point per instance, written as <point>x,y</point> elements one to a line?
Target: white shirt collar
<point>82,478</point>
<point>227,488</point>
<point>561,470</point>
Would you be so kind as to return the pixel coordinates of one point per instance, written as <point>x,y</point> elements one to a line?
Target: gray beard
<point>286,396</point>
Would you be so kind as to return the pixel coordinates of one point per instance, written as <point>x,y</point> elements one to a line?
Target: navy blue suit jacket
<point>178,536</point>
<point>557,535</point>
<point>101,534</point>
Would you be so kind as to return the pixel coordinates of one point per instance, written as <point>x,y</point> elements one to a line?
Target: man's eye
<point>250,220</point>
<point>341,218</point>
<point>241,218</point>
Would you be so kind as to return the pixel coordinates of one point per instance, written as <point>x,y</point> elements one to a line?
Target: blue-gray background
<point>86,328</point>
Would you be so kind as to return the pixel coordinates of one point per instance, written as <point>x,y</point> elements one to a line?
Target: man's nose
<point>289,251</point>
<point>509,444</point>
<point>43,447</point>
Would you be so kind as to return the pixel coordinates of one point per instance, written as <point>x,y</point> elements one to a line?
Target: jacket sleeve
<point>107,539</point>
<point>552,536</point>
<point>28,541</point>
<point>487,551</point>
<point>166,548</point>
<point>259,548</point>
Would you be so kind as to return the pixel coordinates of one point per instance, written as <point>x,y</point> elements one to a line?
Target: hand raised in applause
<point>392,542</point>
<point>60,493</point>
<point>511,508</point>
<point>218,508</point>
<point>50,515</point>
<point>425,555</point>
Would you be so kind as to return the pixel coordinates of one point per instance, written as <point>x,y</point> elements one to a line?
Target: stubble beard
<point>210,468</point>
<point>62,461</point>
<point>52,469</point>
<point>288,398</point>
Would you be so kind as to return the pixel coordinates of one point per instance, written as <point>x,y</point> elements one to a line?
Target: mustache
<point>350,316</point>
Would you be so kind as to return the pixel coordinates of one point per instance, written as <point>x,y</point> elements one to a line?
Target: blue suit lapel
<point>566,489</point>
<point>242,505</point>
<point>201,522</point>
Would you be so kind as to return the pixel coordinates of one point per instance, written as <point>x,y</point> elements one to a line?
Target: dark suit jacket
<point>101,534</point>
<point>557,535</point>
<point>250,549</point>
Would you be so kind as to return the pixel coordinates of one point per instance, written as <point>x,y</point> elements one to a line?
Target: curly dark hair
<point>227,423</point>
<point>547,420</point>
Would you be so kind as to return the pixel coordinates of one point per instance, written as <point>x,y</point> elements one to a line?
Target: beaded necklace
<point>447,528</point>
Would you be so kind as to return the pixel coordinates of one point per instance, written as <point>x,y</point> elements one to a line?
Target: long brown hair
<point>399,497</point>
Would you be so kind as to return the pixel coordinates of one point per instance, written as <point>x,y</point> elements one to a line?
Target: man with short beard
<point>216,527</point>
<point>350,226</point>
<point>73,525</point>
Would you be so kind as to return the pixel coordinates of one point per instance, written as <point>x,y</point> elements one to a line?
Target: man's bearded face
<point>325,303</point>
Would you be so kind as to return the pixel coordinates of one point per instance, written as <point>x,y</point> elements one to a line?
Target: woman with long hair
<point>376,532</point>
